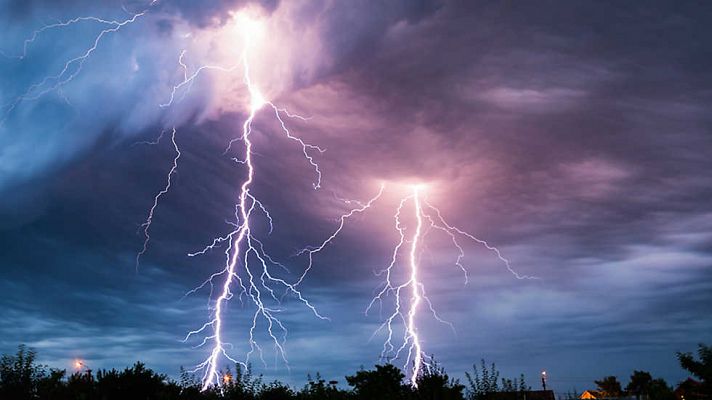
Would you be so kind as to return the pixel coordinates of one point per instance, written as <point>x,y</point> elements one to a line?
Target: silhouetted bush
<point>318,389</point>
<point>385,382</point>
<point>435,384</point>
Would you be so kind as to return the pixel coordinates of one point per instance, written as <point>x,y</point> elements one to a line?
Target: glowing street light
<point>227,378</point>
<point>79,364</point>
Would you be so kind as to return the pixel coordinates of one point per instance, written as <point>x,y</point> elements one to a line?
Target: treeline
<point>22,378</point>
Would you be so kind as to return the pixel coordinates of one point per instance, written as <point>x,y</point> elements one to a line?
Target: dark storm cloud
<point>559,119</point>
<point>573,135</point>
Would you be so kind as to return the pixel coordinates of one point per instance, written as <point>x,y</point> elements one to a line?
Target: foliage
<point>701,369</point>
<point>639,384</point>
<point>20,375</point>
<point>319,390</point>
<point>133,383</point>
<point>571,395</point>
<point>241,385</point>
<point>643,386</point>
<point>515,385</point>
<point>22,378</point>
<point>434,383</point>
<point>483,383</point>
<point>610,386</point>
<point>658,389</point>
<point>385,382</point>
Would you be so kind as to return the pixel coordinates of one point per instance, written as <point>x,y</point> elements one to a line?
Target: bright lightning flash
<point>247,267</point>
<point>409,295</point>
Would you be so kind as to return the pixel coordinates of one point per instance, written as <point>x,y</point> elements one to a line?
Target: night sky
<point>574,136</point>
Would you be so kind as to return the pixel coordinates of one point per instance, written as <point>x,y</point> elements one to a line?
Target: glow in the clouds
<point>409,296</point>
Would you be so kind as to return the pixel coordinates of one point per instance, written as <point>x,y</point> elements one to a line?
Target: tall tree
<point>639,384</point>
<point>701,369</point>
<point>19,374</point>
<point>658,389</point>
<point>609,386</point>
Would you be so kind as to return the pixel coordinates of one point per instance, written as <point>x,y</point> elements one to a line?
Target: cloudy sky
<point>574,136</point>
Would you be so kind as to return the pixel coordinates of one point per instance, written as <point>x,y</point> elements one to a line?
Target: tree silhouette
<point>52,385</point>
<point>639,384</point>
<point>701,369</point>
<point>658,389</point>
<point>22,378</point>
<point>20,375</point>
<point>319,390</point>
<point>385,382</point>
<point>435,384</point>
<point>136,382</point>
<point>276,391</point>
<point>609,386</point>
<point>189,386</point>
<point>482,383</point>
<point>81,386</point>
<point>515,385</point>
<point>240,385</point>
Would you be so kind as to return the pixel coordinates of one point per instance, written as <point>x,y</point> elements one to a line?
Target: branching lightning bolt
<point>409,296</point>
<point>149,219</point>
<point>73,66</point>
<point>313,250</point>
<point>247,268</point>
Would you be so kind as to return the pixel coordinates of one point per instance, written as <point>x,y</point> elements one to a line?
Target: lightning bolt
<point>313,250</point>
<point>415,288</point>
<point>247,268</point>
<point>410,295</point>
<point>149,219</point>
<point>73,66</point>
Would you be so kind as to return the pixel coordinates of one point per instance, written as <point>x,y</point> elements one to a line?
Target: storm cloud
<point>575,136</point>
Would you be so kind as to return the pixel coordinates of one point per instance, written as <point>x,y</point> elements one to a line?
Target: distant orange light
<point>78,364</point>
<point>227,378</point>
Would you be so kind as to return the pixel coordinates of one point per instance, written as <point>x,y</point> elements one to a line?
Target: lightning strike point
<point>410,295</point>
